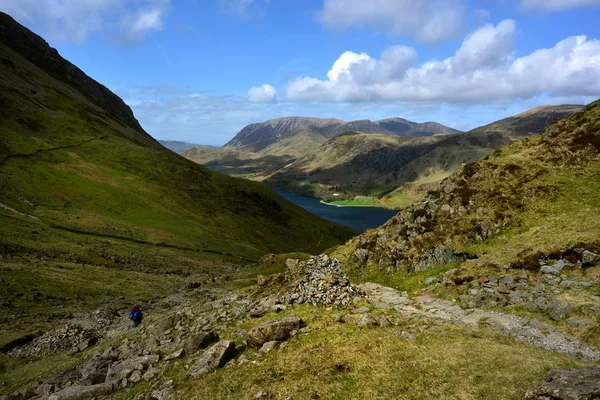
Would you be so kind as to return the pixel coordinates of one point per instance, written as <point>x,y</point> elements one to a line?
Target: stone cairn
<point>321,283</point>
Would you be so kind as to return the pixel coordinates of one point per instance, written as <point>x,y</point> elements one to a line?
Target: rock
<point>384,322</point>
<point>406,335</point>
<point>150,373</point>
<point>261,395</point>
<point>361,310</point>
<point>164,325</point>
<point>546,269</point>
<point>199,341</point>
<point>77,392</point>
<point>366,320</point>
<point>214,357</point>
<point>565,384</point>
<point>125,368</point>
<point>267,347</point>
<point>165,392</point>
<point>559,309</point>
<point>274,330</point>
<point>576,322</point>
<point>430,280</point>
<point>588,258</point>
<point>136,376</point>
<point>177,354</point>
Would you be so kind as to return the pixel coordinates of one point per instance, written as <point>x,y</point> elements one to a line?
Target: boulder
<point>199,341</point>
<point>559,309</point>
<point>267,347</point>
<point>565,384</point>
<point>214,357</point>
<point>279,330</point>
<point>366,320</point>
<point>589,258</point>
<point>77,392</point>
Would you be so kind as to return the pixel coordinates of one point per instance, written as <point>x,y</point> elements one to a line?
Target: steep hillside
<point>255,137</point>
<point>528,122</point>
<point>535,198</point>
<point>82,182</point>
<point>396,176</point>
<point>373,164</point>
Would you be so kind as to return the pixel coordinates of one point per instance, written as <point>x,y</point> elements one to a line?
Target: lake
<point>358,218</point>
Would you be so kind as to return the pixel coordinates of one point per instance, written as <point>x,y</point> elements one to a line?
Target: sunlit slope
<point>71,162</point>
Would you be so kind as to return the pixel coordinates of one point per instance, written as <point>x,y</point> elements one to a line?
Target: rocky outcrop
<point>214,357</point>
<point>322,282</point>
<point>276,330</point>
<point>568,384</point>
<point>69,336</point>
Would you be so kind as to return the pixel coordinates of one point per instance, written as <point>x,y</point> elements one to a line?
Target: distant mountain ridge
<point>180,147</point>
<point>255,137</point>
<point>356,163</point>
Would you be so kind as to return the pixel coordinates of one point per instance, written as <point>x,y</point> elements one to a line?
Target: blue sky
<point>200,70</point>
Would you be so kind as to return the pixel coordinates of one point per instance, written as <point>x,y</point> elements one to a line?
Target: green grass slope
<point>535,197</point>
<point>69,165</point>
<point>394,170</point>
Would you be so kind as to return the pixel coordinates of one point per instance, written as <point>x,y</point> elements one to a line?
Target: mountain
<point>181,147</point>
<point>259,150</point>
<point>256,137</point>
<point>395,169</point>
<point>77,168</point>
<point>528,122</point>
<point>403,127</point>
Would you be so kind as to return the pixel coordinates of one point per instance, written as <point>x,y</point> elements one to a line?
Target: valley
<point>376,166</point>
<point>308,258</point>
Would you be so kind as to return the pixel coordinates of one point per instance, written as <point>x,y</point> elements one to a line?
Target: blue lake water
<point>358,218</point>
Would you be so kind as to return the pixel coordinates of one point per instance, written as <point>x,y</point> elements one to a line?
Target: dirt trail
<point>522,329</point>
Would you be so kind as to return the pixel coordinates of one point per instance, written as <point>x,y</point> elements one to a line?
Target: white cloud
<point>483,69</point>
<point>556,5</point>
<point>262,94</point>
<point>76,20</point>
<point>425,20</point>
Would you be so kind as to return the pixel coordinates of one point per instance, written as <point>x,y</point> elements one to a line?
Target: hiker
<point>136,315</point>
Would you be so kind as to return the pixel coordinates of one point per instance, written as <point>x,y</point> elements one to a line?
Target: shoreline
<point>355,206</point>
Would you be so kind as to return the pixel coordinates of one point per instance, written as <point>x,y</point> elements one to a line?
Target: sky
<point>201,70</point>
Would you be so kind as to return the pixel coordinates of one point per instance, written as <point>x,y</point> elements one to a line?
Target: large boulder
<point>214,357</point>
<point>278,330</point>
<point>565,384</point>
<point>77,392</point>
<point>199,341</point>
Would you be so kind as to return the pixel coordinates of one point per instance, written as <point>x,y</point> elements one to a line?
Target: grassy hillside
<point>535,197</point>
<point>372,165</point>
<point>84,190</point>
<point>392,170</point>
<point>261,164</point>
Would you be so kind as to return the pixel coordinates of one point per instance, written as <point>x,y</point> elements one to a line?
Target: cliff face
<point>37,51</point>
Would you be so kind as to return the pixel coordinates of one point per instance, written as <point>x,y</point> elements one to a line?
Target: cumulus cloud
<point>76,20</point>
<point>556,5</point>
<point>262,94</point>
<point>483,69</point>
<point>425,20</point>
